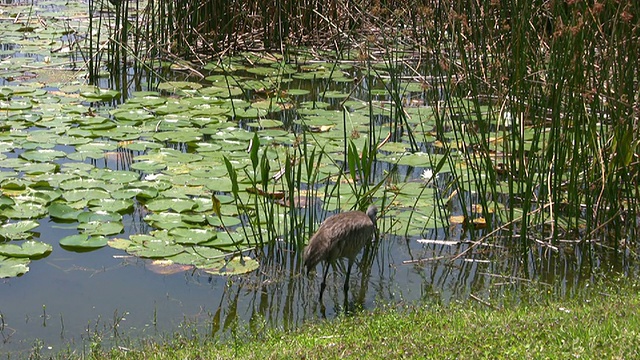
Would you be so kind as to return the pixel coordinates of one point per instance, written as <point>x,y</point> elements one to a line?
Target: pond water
<point>72,297</point>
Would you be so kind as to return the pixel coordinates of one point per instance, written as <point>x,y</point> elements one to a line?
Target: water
<point>74,299</point>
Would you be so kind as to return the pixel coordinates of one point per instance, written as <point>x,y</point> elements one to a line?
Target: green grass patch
<point>598,323</point>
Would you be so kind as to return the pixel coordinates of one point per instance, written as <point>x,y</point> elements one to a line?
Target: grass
<point>601,322</point>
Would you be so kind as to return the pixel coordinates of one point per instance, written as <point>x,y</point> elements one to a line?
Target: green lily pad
<point>89,216</point>
<point>42,155</point>
<point>98,228</point>
<point>191,258</point>
<point>28,249</point>
<point>148,166</point>
<point>228,221</point>
<point>111,205</point>
<point>178,205</point>
<point>15,105</point>
<point>6,201</point>
<point>38,168</point>
<point>12,267</point>
<point>192,236</point>
<point>83,241</point>
<point>25,210</point>
<point>179,85</point>
<point>79,183</point>
<point>120,244</point>
<point>85,194</point>
<point>226,240</point>
<point>63,211</point>
<point>120,176</point>
<point>265,123</point>
<point>18,230</point>
<point>235,266</point>
<point>297,92</point>
<point>154,248</point>
<point>135,192</point>
<point>100,94</point>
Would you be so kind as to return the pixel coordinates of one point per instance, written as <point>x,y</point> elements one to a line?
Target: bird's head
<point>372,212</point>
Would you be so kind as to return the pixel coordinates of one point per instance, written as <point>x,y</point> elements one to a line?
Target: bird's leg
<point>324,280</point>
<point>346,281</point>
<point>346,287</point>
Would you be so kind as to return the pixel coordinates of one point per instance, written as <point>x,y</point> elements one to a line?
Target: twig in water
<point>483,302</point>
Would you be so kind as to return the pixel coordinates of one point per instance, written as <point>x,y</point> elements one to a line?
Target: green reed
<point>541,98</point>
<point>566,146</point>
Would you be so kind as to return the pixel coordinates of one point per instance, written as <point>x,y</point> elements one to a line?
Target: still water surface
<point>70,299</point>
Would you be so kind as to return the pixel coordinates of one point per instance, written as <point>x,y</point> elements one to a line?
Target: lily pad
<point>25,210</point>
<point>178,205</point>
<point>191,236</point>
<point>28,249</point>
<point>100,95</point>
<point>63,211</point>
<point>12,267</point>
<point>111,205</point>
<point>83,241</point>
<point>236,266</point>
<point>98,228</point>
<point>155,248</point>
<point>99,216</point>
<point>17,230</point>
<point>119,243</point>
<point>42,155</point>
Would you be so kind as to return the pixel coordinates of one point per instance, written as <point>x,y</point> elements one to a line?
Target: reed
<point>541,97</point>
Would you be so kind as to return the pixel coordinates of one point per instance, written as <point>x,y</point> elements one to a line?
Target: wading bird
<point>340,235</point>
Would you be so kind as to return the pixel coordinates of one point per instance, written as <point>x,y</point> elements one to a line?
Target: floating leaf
<point>17,230</point>
<point>89,216</point>
<point>12,267</point>
<point>85,194</point>
<point>97,228</point>
<point>178,85</point>
<point>120,244</point>
<point>138,192</point>
<point>235,266</point>
<point>297,92</point>
<point>25,210</point>
<point>265,123</point>
<point>100,95</point>
<point>200,257</point>
<point>15,105</point>
<point>38,168</point>
<point>167,267</point>
<point>155,248</point>
<point>225,240</point>
<point>63,211</point>
<point>28,249</point>
<point>42,155</point>
<point>178,205</point>
<point>83,241</point>
<point>111,205</point>
<point>192,236</point>
<point>227,221</point>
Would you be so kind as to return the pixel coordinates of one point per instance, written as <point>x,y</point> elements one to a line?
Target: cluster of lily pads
<point>59,160</point>
<point>155,166</point>
<point>161,156</point>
